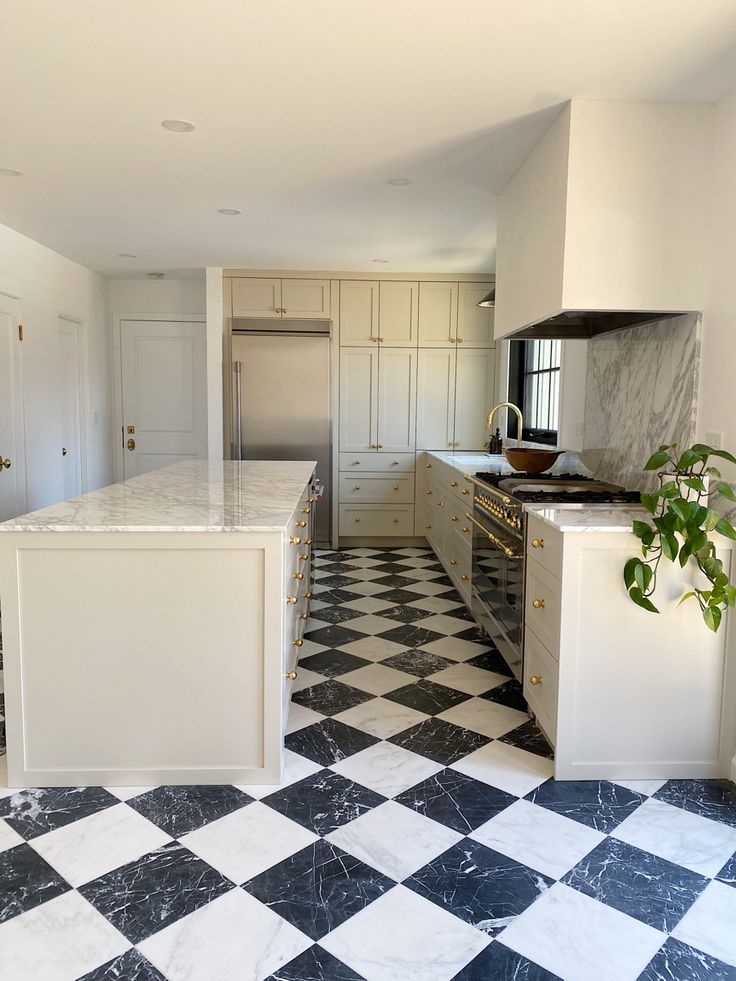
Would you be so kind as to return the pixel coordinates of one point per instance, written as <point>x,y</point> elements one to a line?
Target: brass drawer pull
<point>537,543</point>
<point>395,463</point>
<point>429,492</point>
<point>356,520</point>
<point>440,504</point>
<point>453,561</point>
<point>301,524</point>
<point>307,541</point>
<point>356,463</point>
<point>428,466</point>
<point>453,483</point>
<point>466,490</point>
<point>302,616</point>
<point>538,604</point>
<point>396,521</point>
<point>455,517</point>
<point>396,487</point>
<point>310,500</point>
<point>291,675</point>
<point>304,557</point>
<point>465,578</point>
<point>428,526</point>
<point>536,679</point>
<point>306,510</point>
<point>466,529</point>
<point>298,643</point>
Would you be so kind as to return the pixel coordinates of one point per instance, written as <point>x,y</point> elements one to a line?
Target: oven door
<point>498,586</point>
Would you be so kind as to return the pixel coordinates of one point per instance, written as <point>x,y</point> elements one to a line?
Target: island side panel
<point>137,659</point>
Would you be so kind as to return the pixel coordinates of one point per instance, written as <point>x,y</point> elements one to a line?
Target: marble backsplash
<point>641,391</point>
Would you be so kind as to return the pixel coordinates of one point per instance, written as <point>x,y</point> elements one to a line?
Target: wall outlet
<point>714,439</point>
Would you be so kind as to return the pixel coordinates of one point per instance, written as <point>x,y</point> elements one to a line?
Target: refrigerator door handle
<point>238,427</point>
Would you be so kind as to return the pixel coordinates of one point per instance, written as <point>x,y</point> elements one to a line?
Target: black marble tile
<point>146,895</point>
<point>455,800</point>
<point>179,810</point>
<point>333,636</point>
<point>398,596</point>
<point>491,660</point>
<point>328,742</point>
<point>649,888</point>
<point>318,888</point>
<point>418,662</point>
<point>336,596</point>
<point>477,635</point>
<point>130,966</point>
<point>340,568</point>
<point>676,961</point>
<point>323,801</point>
<point>440,741</point>
<point>509,694</point>
<point>597,803</point>
<point>714,799</point>
<point>339,580</point>
<point>334,614</point>
<point>26,880</point>
<point>324,558</point>
<point>315,964</point>
<point>499,963</point>
<point>728,872</point>
<point>404,614</point>
<point>460,613</point>
<point>393,580</point>
<point>394,568</point>
<point>34,812</point>
<point>479,885</point>
<point>330,697</point>
<point>332,663</point>
<point>528,736</point>
<point>410,635</point>
<point>427,696</point>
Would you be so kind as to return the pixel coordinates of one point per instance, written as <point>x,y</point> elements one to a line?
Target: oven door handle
<point>509,552</point>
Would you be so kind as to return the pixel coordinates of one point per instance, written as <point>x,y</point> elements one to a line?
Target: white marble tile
<point>580,939</point>
<point>60,940</point>
<point>369,588</point>
<point>126,793</point>
<point>387,769</point>
<point>234,937</point>
<point>506,767</point>
<point>404,937</point>
<point>364,561</point>
<point>372,648</point>
<point>306,678</point>
<point>433,604</point>
<point>309,647</point>
<point>377,679</point>
<point>443,624</point>
<point>465,677</point>
<point>686,839</point>
<point>8,837</point>
<point>372,624</point>
<point>296,767</point>
<point>365,575</point>
<point>366,604</point>
<point>646,787</point>
<point>454,648</point>
<point>99,843</point>
<point>381,718</point>
<point>422,575</point>
<point>394,839</point>
<point>300,716</point>
<point>488,718</point>
<point>248,841</point>
<point>539,838</point>
<point>427,588</point>
<point>709,924</point>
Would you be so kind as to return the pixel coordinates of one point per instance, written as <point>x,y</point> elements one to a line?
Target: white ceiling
<point>303,110</point>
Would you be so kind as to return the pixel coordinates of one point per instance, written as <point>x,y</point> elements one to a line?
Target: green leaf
<point>669,490</point>
<point>709,451</point>
<point>711,520</point>
<point>730,595</point>
<point>712,616</point>
<point>725,490</point>
<point>670,547</point>
<point>650,502</point>
<point>642,529</point>
<point>681,509</point>
<point>643,575</point>
<point>657,460</point>
<point>726,528</point>
<point>713,472</point>
<point>686,596</point>
<point>646,604</point>
<point>629,576</point>
<point>689,458</point>
<point>697,513</point>
<point>712,567</point>
<point>697,541</point>
<point>685,553</point>
<point>694,483</point>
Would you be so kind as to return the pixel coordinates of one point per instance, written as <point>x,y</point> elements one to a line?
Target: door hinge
<point>20,332</point>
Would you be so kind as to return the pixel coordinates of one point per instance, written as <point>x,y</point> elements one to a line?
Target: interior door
<point>164,386</point>
<point>435,399</point>
<point>12,448</point>
<point>70,369</point>
<point>397,381</point>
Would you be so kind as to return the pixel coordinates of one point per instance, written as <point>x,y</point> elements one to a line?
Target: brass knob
<point>428,526</point>
<point>428,466</point>
<point>396,521</point>
<point>356,487</point>
<point>297,575</point>
<point>301,524</point>
<point>466,530</point>
<point>307,596</point>
<point>381,340</point>
<point>310,500</point>
<point>131,444</point>
<point>283,309</point>
<point>453,561</point>
<point>536,679</point>
<point>291,675</point>
<point>356,463</point>
<point>356,520</point>
<point>459,340</point>
<point>379,446</point>
<point>291,600</point>
<point>302,616</point>
<point>373,446</point>
<point>440,504</point>
<point>307,541</point>
<point>465,490</point>
<point>453,483</point>
<point>294,540</point>
<point>7,464</point>
<point>64,451</point>
<point>538,604</point>
<point>537,543</point>
<point>429,492</point>
<point>449,444</point>
<point>298,643</point>
<point>396,486</point>
<point>375,340</point>
<point>465,578</point>
<point>395,463</point>
<point>306,510</point>
<point>455,517</point>
<point>304,557</point>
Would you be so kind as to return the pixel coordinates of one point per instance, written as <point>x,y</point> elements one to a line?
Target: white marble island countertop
<point>193,495</point>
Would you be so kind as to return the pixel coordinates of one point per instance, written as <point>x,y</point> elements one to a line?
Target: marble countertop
<point>193,495</point>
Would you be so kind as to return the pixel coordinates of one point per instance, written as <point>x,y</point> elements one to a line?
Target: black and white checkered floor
<point>417,835</point>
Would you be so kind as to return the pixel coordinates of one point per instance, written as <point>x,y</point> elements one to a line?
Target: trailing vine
<point>679,531</point>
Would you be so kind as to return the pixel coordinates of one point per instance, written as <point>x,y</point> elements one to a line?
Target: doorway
<point>12,437</point>
<point>73,407</point>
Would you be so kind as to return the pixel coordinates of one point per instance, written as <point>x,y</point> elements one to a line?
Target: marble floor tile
<point>334,635</point>
<point>387,769</point>
<point>26,881</point>
<point>645,787</point>
<point>179,810</point>
<point>332,663</point>
<point>440,741</point>
<point>455,648</point>
<point>381,718</point>
<point>506,767</point>
<point>296,767</point>
<point>377,679</point>
<point>456,801</point>
<point>403,937</point>
<point>529,737</point>
<point>433,604</point>
<point>709,923</point>
<point>8,837</point>
<point>34,812</point>
<point>446,625</point>
<point>465,677</point>
<point>509,693</point>
<point>597,803</point>
<point>130,966</point>
<point>714,799</point>
<point>402,613</point>
<point>125,793</point>
<point>580,939</point>
<point>728,872</point>
<point>328,741</point>
<point>306,678</point>
<point>499,962</point>
<point>400,595</point>
<point>315,964</point>
<point>368,588</point>
<point>371,624</point>
<point>491,660</point>
<point>426,587</point>
<point>539,838</point>
<point>328,697</point>
<point>417,662</point>
<point>410,635</point>
<point>235,937</point>
<point>675,961</point>
<point>325,801</point>
<point>426,696</point>
<point>369,604</point>
<point>300,717</point>
<point>373,648</point>
<point>329,614</point>
<point>485,717</point>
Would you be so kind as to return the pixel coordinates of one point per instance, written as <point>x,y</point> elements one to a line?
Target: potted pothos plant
<point>681,527</point>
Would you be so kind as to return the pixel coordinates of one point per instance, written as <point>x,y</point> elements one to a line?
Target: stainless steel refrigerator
<point>281,399</point>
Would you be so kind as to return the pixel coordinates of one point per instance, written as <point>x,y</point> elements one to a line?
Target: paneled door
<point>257,298</point>
<point>72,421</point>
<point>358,399</point>
<point>12,444</point>
<point>358,313</point>
<point>305,299</point>
<point>164,393</point>
<point>397,387</point>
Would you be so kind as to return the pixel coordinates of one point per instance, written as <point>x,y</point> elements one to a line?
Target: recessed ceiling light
<point>156,275</point>
<point>399,181</point>
<point>228,211</point>
<point>7,172</point>
<point>379,260</point>
<point>126,255</point>
<point>178,125</point>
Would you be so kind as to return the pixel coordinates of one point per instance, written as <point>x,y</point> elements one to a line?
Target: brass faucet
<point>517,410</point>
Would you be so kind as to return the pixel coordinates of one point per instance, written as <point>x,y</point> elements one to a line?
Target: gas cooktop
<point>566,488</point>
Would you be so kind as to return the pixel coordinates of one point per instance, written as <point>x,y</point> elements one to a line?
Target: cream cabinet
<point>299,299</point>
<point>444,495</point>
<point>454,394</point>
<point>385,313</point>
<point>358,399</point>
<point>377,400</point>
<point>449,314</point>
<point>358,313</point>
<point>474,323</point>
<point>398,314</point>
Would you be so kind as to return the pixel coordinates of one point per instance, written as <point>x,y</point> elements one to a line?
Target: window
<point>534,385</point>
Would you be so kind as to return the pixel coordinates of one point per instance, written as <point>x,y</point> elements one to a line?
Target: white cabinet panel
<point>474,323</point>
<point>384,462</point>
<point>376,520</point>
<point>397,376</point>
<point>398,319</point>
<point>473,397</point>
<point>305,299</point>
<point>376,489</point>
<point>358,313</point>
<point>437,314</point>
<point>358,398</point>
<point>256,297</point>
<point>435,398</point>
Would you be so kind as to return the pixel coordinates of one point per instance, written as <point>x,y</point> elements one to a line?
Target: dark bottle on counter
<point>496,444</point>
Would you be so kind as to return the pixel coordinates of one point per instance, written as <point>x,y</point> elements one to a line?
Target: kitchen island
<point>151,628</point>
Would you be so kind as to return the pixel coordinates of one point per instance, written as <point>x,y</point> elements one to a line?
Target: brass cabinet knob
<point>64,451</point>
<point>379,446</point>
<point>301,524</point>
<point>396,521</point>
<point>297,575</point>
<point>306,510</point>
<point>453,561</point>
<point>291,675</point>
<point>396,487</point>
<point>453,483</point>
<point>537,543</point>
<point>459,340</point>
<point>310,500</point>
<point>465,578</point>
<point>450,444</point>
<point>307,596</point>
<point>304,556</point>
<point>381,340</point>
<point>307,541</point>
<point>374,340</point>
<point>298,643</point>
<point>374,446</point>
<point>536,679</point>
<point>356,487</point>
<point>356,520</point>
<point>429,492</point>
<point>428,466</point>
<point>455,517</point>
<point>291,600</point>
<point>302,616</point>
<point>5,464</point>
<point>440,504</point>
<point>295,540</point>
<point>356,463</point>
<point>466,530</point>
<point>131,444</point>
<point>466,490</point>
<point>428,526</point>
<point>538,604</point>
<point>395,463</point>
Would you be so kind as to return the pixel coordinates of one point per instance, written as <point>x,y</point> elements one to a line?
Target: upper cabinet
<point>385,313</point>
<point>398,314</point>
<point>474,323</point>
<point>449,314</point>
<point>295,299</point>
<point>358,313</point>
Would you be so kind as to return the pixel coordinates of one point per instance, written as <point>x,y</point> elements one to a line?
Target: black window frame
<point>518,375</point>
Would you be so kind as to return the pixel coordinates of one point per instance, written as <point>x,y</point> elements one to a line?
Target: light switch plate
<point>714,439</point>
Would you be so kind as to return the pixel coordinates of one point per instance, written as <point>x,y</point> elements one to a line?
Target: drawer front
<point>540,684</point>
<point>542,605</point>
<point>373,489</point>
<point>458,554</point>
<point>377,462</point>
<point>376,520</point>
<point>544,545</point>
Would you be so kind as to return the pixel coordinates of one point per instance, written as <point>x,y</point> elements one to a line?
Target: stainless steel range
<point>499,545</point>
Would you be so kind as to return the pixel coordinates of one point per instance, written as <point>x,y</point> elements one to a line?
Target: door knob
<point>7,464</point>
<point>131,444</point>
<point>64,451</point>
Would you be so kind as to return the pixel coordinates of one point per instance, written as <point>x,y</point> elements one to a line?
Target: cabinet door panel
<point>358,313</point>
<point>437,314</point>
<point>305,299</point>
<point>397,382</point>
<point>256,298</point>
<point>398,319</point>
<point>358,399</point>
<point>435,399</point>
<point>474,323</point>
<point>473,397</point>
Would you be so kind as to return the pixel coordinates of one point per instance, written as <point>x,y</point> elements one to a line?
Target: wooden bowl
<point>527,460</point>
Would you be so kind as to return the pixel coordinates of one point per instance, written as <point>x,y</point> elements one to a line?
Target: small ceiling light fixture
<point>489,300</point>
<point>126,255</point>
<point>399,181</point>
<point>156,275</point>
<point>228,211</point>
<point>178,125</point>
<point>8,172</point>
<point>379,260</point>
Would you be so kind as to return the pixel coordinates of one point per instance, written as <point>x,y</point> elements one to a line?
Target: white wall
<point>47,285</point>
<point>159,296</point>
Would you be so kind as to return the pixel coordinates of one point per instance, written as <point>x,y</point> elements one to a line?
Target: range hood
<point>604,226</point>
